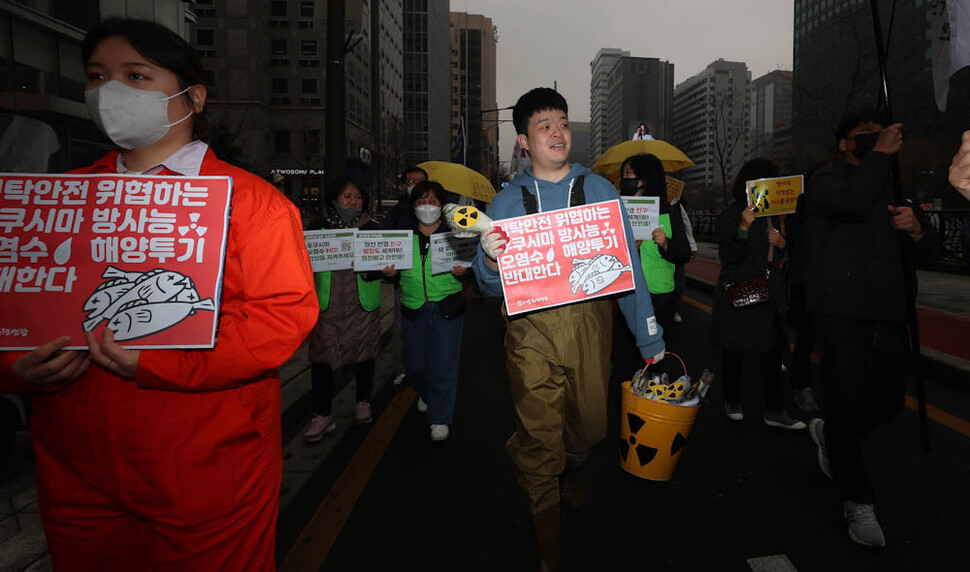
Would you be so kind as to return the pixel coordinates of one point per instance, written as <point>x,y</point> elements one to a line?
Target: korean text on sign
<point>375,249</point>
<point>331,249</point>
<point>564,256</point>
<point>774,196</point>
<point>644,215</point>
<point>448,251</point>
<point>111,249</point>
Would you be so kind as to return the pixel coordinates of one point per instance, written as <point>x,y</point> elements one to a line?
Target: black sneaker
<point>782,420</point>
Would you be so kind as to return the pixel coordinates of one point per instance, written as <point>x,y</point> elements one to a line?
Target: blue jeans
<point>432,348</point>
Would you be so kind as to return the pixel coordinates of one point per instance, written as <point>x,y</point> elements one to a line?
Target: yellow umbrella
<point>459,179</point>
<point>609,163</point>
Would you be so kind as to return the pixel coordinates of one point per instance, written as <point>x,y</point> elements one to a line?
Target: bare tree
<point>390,149</point>
<point>728,123</point>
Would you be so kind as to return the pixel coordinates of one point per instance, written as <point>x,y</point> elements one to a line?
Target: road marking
<point>948,420</point>
<point>317,538</point>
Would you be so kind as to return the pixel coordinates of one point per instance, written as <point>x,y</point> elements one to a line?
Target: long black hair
<point>162,47</point>
<point>650,170</point>
<point>758,168</point>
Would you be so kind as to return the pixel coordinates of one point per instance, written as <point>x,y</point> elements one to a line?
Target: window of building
<point>312,139</point>
<point>281,140</point>
<point>308,86</point>
<point>279,47</point>
<point>308,47</point>
<point>205,37</point>
<point>277,8</point>
<point>306,9</point>
<point>281,86</point>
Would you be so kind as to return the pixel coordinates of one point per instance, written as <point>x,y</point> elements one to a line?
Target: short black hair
<point>538,99</point>
<point>159,45</point>
<point>336,186</point>
<point>857,118</point>
<point>758,168</point>
<point>425,187</point>
<point>650,170</point>
<point>412,169</point>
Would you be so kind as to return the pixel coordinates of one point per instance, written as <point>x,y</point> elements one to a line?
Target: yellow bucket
<point>652,435</point>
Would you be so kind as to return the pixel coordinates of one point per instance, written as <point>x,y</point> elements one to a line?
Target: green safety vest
<point>368,292</point>
<point>658,272</point>
<point>415,290</point>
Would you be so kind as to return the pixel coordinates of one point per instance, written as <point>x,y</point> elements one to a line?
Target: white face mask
<point>132,118</point>
<point>427,213</point>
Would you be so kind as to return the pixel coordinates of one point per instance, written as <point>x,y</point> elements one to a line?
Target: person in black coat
<point>860,242</point>
<point>750,249</point>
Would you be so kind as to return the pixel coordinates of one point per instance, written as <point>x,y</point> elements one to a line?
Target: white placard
<point>448,251</point>
<point>375,249</point>
<point>331,249</point>
<point>644,215</point>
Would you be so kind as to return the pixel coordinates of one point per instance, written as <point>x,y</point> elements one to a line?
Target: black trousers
<point>865,366</point>
<point>769,363</point>
<point>805,337</point>
<point>321,378</point>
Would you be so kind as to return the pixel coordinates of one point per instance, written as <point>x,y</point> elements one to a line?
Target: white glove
<point>656,358</point>
<point>494,242</point>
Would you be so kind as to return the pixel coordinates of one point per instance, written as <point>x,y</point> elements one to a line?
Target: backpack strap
<point>578,194</point>
<point>577,197</point>
<point>529,202</point>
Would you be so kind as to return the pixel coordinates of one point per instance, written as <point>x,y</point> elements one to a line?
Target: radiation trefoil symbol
<point>645,453</point>
<point>466,217</point>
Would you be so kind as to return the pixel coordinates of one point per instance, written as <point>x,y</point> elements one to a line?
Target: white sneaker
<point>439,432</point>
<point>422,406</point>
<point>677,318</point>
<point>864,529</point>
<point>398,379</point>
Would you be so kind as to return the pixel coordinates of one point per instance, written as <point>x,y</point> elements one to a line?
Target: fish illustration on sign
<point>157,285</point>
<point>105,295</point>
<point>139,304</point>
<point>595,274</point>
<point>140,318</point>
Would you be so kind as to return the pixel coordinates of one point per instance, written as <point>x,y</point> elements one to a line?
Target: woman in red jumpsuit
<point>170,459</point>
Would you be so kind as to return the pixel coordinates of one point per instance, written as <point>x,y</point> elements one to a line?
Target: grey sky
<point>545,40</point>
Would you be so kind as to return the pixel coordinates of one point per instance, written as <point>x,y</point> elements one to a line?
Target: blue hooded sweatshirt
<point>636,305</point>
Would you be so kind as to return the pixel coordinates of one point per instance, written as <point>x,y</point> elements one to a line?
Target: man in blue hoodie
<point>558,359</point>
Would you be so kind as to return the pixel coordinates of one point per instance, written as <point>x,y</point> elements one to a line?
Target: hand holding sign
<point>48,366</point>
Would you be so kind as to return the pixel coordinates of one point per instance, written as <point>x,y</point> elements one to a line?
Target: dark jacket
<point>752,329</point>
<point>853,258</point>
<point>678,248</point>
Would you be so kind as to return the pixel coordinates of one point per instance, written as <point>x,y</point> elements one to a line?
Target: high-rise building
<point>267,62</point>
<point>600,88</point>
<point>835,71</point>
<point>473,90</point>
<point>771,116</point>
<point>711,126</point>
<point>427,81</point>
<point>44,123</point>
<point>642,91</point>
<point>579,153</point>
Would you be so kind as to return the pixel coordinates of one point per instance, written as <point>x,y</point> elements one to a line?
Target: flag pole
<point>908,271</point>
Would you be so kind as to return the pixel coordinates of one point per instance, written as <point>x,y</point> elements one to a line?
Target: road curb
<point>942,367</point>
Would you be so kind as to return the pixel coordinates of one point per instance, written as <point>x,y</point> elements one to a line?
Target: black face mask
<point>628,186</point>
<point>864,142</point>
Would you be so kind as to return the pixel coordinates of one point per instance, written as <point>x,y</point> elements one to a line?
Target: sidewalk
<point>22,543</point>
<point>942,308</point>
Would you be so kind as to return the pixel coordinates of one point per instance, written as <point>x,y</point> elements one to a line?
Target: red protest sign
<point>564,256</point>
<point>140,255</point>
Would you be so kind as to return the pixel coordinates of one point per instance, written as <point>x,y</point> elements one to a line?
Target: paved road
<point>744,497</point>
